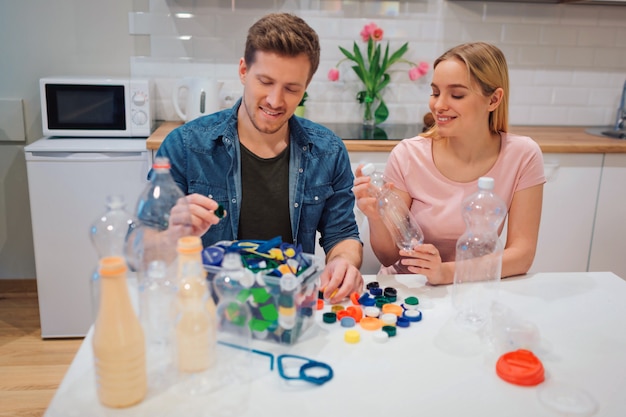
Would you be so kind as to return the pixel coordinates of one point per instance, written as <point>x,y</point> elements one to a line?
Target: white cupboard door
<point>569,203</point>
<point>608,252</point>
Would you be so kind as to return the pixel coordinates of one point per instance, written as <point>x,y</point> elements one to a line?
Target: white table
<point>431,368</point>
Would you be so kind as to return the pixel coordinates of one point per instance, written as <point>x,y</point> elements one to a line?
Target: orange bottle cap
<point>520,367</point>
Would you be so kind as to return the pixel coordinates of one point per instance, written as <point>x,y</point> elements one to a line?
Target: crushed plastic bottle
<point>396,216</point>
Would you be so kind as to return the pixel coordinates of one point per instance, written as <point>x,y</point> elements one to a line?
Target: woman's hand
<point>364,193</point>
<point>425,259</point>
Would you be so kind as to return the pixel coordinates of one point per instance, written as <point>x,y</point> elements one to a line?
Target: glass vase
<point>369,119</point>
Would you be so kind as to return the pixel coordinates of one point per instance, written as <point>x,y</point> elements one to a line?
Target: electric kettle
<point>203,97</point>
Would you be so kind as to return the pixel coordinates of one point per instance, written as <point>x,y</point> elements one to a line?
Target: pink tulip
<point>333,74</point>
<point>423,67</point>
<point>377,34</point>
<point>368,30</point>
<point>414,73</point>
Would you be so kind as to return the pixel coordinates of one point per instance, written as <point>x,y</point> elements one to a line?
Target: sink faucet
<point>621,111</point>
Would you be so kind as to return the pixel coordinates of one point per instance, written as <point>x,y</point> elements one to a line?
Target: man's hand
<point>341,276</point>
<point>202,210</point>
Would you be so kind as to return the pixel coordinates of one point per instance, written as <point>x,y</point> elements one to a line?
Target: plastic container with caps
<point>108,234</point>
<point>196,321</point>
<point>478,261</point>
<point>396,216</point>
<point>118,340</point>
<point>162,217</point>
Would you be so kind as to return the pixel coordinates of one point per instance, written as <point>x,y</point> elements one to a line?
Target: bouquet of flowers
<point>372,71</point>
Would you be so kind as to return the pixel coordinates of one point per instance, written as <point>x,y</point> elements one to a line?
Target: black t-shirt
<point>265,197</point>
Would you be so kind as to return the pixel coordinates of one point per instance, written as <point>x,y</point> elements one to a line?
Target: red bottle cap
<point>520,367</point>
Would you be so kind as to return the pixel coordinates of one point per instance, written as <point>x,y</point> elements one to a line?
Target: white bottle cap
<point>368,169</point>
<point>486,183</point>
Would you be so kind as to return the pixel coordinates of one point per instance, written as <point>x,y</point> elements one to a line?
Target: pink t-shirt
<point>437,200</point>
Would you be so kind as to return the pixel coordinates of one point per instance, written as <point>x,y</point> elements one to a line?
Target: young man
<point>274,173</point>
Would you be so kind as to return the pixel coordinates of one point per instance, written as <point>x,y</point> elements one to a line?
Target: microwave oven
<point>96,107</point>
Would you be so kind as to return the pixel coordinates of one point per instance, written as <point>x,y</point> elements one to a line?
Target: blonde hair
<point>487,66</point>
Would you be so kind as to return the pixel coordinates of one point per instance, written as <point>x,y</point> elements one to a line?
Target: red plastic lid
<point>520,367</point>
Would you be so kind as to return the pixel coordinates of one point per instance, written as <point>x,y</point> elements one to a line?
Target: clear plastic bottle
<point>162,217</point>
<point>478,262</point>
<point>108,233</point>
<point>196,336</point>
<point>118,340</point>
<point>396,216</point>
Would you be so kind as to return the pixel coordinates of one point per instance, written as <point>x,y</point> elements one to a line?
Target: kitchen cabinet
<point>608,252</point>
<point>567,217</point>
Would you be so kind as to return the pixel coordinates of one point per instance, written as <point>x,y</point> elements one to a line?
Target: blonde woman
<point>435,171</point>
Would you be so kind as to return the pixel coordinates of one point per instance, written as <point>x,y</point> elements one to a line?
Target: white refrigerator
<point>69,180</point>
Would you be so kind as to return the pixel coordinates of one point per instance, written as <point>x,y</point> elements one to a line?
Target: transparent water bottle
<point>162,217</point>
<point>478,262</point>
<point>396,216</point>
<point>108,233</point>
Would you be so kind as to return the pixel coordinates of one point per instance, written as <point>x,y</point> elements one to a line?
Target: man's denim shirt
<point>205,158</point>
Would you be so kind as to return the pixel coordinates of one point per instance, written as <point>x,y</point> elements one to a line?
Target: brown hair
<point>487,66</point>
<point>284,34</point>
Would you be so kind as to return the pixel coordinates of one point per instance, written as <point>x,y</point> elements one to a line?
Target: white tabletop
<point>432,368</point>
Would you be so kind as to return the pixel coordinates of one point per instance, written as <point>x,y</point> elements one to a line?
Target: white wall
<point>40,38</point>
<point>567,62</point>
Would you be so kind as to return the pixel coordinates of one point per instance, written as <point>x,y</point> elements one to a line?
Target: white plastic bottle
<point>196,337</point>
<point>118,340</point>
<point>396,216</point>
<point>478,262</point>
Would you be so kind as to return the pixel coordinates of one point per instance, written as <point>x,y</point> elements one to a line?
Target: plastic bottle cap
<point>520,367</point>
<point>329,317</point>
<point>389,318</point>
<point>380,336</point>
<point>371,323</point>
<point>347,321</point>
<point>352,336</point>
<point>368,169</point>
<point>393,309</point>
<point>486,183</point>
<point>372,311</point>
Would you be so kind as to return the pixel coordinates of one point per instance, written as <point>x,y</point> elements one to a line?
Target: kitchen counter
<point>551,139</point>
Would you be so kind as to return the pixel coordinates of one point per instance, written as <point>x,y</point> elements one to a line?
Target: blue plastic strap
<point>327,371</point>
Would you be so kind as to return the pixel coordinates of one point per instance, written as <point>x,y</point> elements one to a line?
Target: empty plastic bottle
<point>108,233</point>
<point>396,216</point>
<point>478,262</point>
<point>162,217</point>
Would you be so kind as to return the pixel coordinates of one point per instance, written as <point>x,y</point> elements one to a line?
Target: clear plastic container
<point>478,261</point>
<point>396,216</point>
<point>162,217</point>
<point>108,235</point>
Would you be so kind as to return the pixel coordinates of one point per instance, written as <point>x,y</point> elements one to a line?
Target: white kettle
<point>203,97</point>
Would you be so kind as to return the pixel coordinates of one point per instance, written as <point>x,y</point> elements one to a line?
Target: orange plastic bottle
<point>118,340</point>
<point>196,336</point>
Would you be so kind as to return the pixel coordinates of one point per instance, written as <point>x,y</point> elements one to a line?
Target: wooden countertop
<point>551,139</point>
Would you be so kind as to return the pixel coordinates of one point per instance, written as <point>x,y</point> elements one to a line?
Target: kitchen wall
<point>40,38</point>
<point>567,62</point>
